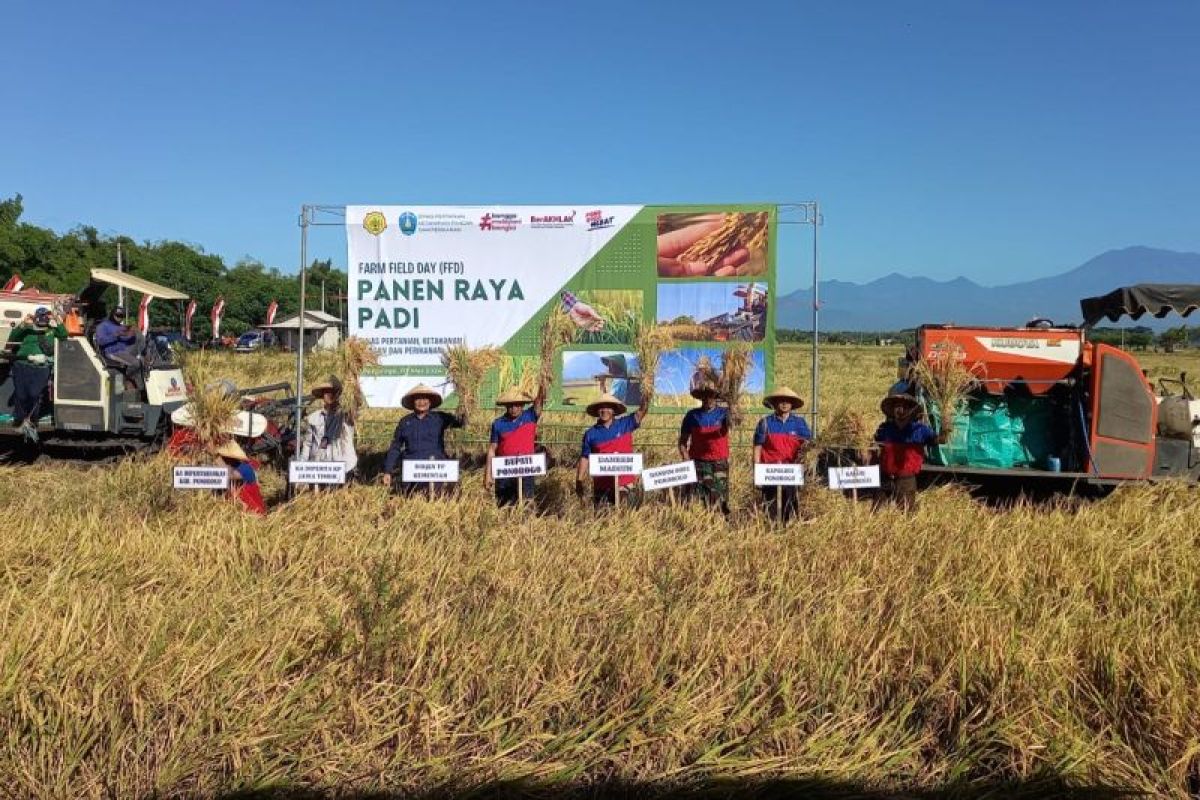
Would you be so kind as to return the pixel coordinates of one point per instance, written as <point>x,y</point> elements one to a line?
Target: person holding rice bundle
<point>514,433</point>
<point>704,439</point>
<point>243,480</point>
<point>612,433</point>
<point>330,434</point>
<point>420,435</point>
<point>780,438</point>
<point>902,439</point>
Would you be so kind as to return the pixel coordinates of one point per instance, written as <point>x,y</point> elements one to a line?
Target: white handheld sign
<point>414,471</point>
<point>778,474</point>
<point>600,464</point>
<point>665,477</point>
<point>518,466</point>
<point>200,478</point>
<point>854,477</point>
<point>324,472</point>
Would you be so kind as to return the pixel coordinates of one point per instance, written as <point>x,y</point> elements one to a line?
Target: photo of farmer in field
<point>681,371</point>
<point>603,316</point>
<point>731,244</point>
<point>588,374</point>
<point>713,312</point>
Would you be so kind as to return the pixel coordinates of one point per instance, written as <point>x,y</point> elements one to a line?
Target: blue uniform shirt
<point>420,439</point>
<point>616,438</point>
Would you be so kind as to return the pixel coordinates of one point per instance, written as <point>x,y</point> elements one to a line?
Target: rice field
<point>165,644</point>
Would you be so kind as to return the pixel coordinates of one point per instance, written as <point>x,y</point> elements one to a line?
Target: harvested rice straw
<point>946,380</point>
<point>520,373</point>
<point>845,429</point>
<point>354,356</point>
<point>557,331</point>
<point>648,343</point>
<point>466,368</point>
<point>740,229</point>
<point>212,405</point>
<point>731,383</point>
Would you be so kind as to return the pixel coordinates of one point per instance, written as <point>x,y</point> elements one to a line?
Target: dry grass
<point>466,368</point>
<point>731,382</point>
<point>649,343</point>
<point>213,408</point>
<point>558,331</point>
<point>166,644</point>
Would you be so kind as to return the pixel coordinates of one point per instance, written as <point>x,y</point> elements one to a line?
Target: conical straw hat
<point>421,390</point>
<point>606,399</point>
<point>783,393</point>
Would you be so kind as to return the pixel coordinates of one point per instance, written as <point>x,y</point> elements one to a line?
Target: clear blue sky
<point>995,140</point>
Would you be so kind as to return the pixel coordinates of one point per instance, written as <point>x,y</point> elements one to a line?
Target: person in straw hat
<point>612,433</point>
<point>514,433</point>
<point>421,434</point>
<point>330,433</point>
<point>704,439</point>
<point>243,480</point>
<point>902,439</point>
<point>780,438</point>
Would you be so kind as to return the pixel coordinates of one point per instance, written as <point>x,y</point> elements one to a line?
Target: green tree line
<point>62,263</point>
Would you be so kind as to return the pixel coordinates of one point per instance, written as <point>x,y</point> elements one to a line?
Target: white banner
<point>323,472</point>
<point>614,464</point>
<point>854,477</point>
<point>778,474</point>
<point>519,466</point>
<point>200,478</point>
<point>669,475</point>
<point>422,277</point>
<point>431,471</point>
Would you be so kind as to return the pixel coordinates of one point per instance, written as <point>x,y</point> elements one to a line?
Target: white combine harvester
<point>88,407</point>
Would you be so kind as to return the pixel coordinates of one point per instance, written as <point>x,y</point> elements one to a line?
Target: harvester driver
<point>120,346</point>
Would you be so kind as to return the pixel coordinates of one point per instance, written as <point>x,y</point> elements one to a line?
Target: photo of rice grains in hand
<point>714,245</point>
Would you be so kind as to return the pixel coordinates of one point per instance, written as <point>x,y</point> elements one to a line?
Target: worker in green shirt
<point>31,367</point>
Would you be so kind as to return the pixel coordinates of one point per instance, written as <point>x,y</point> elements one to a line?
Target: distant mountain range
<point>898,301</point>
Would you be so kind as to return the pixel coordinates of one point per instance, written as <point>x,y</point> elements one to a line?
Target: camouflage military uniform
<point>712,484</point>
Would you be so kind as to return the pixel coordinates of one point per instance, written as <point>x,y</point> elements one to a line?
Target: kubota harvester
<point>1052,409</point>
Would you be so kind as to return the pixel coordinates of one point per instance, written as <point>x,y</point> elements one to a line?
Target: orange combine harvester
<point>1051,409</point>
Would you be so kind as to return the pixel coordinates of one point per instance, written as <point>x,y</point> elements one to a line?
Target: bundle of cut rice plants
<point>557,331</point>
<point>519,373</point>
<point>212,401</point>
<point>354,356</point>
<point>466,368</point>
<point>648,344</point>
<point>946,380</point>
<point>731,383</point>
<point>845,433</point>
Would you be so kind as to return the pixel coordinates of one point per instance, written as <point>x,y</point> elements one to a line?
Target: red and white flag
<point>144,314</point>
<point>15,284</point>
<point>187,319</point>
<point>218,311</point>
<point>271,309</point>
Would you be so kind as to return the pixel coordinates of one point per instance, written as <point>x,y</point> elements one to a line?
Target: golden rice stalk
<point>520,373</point>
<point>740,229</point>
<point>354,356</point>
<point>845,428</point>
<point>648,343</point>
<point>212,404</point>
<point>946,380</point>
<point>731,383</point>
<point>466,369</point>
<point>557,331</point>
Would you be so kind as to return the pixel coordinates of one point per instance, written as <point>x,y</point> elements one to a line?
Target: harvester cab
<point>1049,406</point>
<point>91,400</point>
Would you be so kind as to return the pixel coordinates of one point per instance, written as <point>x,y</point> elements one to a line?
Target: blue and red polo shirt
<point>616,438</point>
<point>902,450</point>
<point>707,434</point>
<point>781,440</point>
<point>515,437</point>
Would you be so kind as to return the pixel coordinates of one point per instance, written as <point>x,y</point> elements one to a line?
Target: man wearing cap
<point>780,438</point>
<point>514,433</point>
<point>330,435</point>
<point>612,433</point>
<point>902,439</point>
<point>31,368</point>
<point>120,346</point>
<point>420,435</point>
<point>704,439</point>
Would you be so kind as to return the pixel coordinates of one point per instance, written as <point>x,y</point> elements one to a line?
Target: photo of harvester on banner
<point>713,312</point>
<point>588,375</point>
